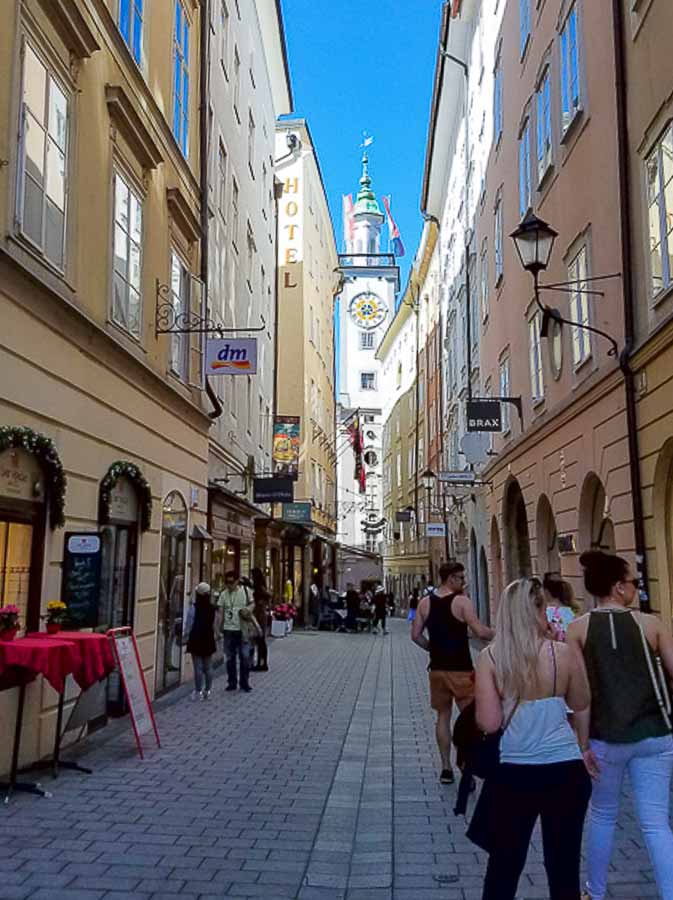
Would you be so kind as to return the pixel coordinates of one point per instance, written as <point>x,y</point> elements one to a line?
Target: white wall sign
<point>436,529</point>
<point>231,356</point>
<point>135,687</point>
<point>84,543</point>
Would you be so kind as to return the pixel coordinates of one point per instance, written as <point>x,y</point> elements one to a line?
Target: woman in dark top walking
<point>261,613</point>
<point>201,640</point>
<point>628,725</point>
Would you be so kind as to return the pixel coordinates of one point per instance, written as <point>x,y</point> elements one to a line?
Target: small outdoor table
<point>95,662</point>
<point>21,661</point>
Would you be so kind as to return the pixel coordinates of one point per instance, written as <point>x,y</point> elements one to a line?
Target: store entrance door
<point>171,592</point>
<point>117,598</point>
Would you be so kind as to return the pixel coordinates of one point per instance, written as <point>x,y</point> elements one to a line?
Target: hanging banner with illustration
<point>286,443</point>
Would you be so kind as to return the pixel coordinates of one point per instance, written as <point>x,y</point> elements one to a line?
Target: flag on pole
<point>347,209</point>
<point>393,230</point>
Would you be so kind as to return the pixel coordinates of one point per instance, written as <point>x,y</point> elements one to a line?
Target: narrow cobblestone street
<point>320,784</point>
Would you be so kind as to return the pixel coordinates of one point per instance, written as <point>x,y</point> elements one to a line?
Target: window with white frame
<point>474,305</point>
<point>237,82</point>
<point>524,25</point>
<point>180,284</point>
<point>505,388</point>
<point>367,381</point>
<point>497,100</point>
<point>225,26</point>
<point>483,280</point>
<point>544,146</point>
<point>235,203</point>
<point>181,77</point>
<point>251,143</point>
<point>411,456</point>
<point>525,194</point>
<point>131,14</point>
<point>222,180</point>
<point>498,238</point>
<point>570,70</point>
<point>44,160</point>
<point>127,242</point>
<point>579,307</point>
<point>660,205</point>
<point>366,340</point>
<point>535,358</point>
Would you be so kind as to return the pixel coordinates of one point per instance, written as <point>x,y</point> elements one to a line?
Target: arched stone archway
<point>595,527</point>
<point>663,530</point>
<point>517,539</point>
<point>484,596</point>
<point>496,562</point>
<point>462,545</point>
<point>548,557</point>
<point>473,576</point>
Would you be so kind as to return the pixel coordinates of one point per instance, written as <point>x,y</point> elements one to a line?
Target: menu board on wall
<point>80,586</point>
<point>135,687</point>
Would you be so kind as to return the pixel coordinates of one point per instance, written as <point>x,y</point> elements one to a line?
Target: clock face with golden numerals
<point>368,310</point>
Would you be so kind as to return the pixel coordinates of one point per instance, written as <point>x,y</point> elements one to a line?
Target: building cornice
<point>71,26</point>
<point>125,117</point>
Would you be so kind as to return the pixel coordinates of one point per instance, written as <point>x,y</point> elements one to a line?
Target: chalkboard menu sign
<point>80,587</point>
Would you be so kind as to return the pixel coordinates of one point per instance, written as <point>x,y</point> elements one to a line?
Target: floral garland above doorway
<point>122,469</point>
<point>44,450</point>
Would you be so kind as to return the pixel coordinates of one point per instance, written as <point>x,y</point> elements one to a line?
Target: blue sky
<point>359,66</point>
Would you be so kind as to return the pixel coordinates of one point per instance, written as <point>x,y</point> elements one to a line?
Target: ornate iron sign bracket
<point>171,320</point>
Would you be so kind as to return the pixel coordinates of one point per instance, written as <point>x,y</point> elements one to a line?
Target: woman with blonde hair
<point>524,685</point>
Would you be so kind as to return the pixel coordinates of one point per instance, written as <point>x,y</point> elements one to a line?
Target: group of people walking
<point>572,703</point>
<point>240,615</point>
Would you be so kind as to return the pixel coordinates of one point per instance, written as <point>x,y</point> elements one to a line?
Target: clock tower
<point>366,309</point>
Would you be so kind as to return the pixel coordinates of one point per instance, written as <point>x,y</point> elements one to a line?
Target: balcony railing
<point>366,260</point>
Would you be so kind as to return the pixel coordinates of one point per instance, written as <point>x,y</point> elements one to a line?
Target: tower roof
<point>366,200</point>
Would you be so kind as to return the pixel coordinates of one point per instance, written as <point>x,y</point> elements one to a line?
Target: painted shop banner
<point>286,445</point>
<point>231,356</point>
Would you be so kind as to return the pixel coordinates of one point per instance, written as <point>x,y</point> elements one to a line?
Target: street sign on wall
<point>297,513</point>
<point>484,415</point>
<point>435,529</point>
<point>231,356</point>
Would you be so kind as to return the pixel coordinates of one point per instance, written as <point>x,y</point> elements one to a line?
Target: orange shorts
<point>445,687</point>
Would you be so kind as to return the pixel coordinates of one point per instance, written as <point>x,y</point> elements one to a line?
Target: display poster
<point>286,445</point>
<point>80,584</point>
<point>135,687</point>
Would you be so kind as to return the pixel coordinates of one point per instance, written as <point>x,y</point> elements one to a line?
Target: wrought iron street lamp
<point>428,479</point>
<point>534,242</point>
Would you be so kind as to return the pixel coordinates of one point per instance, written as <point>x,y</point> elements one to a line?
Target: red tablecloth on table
<point>95,657</point>
<point>24,659</point>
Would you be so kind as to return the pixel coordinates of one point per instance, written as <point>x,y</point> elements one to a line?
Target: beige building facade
<point>307,283</point>
<point>103,420</point>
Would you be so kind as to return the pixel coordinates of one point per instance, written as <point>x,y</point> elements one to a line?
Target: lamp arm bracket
<point>569,290</point>
<point>614,347</point>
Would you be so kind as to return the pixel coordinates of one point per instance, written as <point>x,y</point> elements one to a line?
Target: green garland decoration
<point>44,450</point>
<point>123,469</point>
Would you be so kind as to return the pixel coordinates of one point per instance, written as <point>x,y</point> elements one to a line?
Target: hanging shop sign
<point>80,587</point>
<point>286,445</point>
<point>231,356</point>
<point>435,529</point>
<point>566,543</point>
<point>484,415</point>
<point>273,490</point>
<point>403,515</point>
<point>297,513</point>
<point>457,477</point>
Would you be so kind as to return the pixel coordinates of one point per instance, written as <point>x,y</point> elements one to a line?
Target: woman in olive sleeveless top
<point>628,726</point>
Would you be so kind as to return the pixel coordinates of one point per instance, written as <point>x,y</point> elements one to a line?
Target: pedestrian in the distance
<point>261,612</point>
<point>200,628</point>
<point>232,600</point>
<point>525,683</point>
<point>380,610</point>
<point>352,607</point>
<point>562,605</point>
<point>413,604</point>
<point>627,728</point>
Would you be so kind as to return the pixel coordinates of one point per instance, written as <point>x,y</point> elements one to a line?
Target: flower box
<point>278,628</point>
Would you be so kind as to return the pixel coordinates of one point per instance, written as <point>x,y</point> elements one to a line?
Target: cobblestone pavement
<point>320,785</point>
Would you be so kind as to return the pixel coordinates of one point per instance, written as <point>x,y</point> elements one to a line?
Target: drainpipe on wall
<point>629,302</point>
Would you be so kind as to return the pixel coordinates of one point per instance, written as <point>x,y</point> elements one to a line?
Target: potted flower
<point>9,622</point>
<point>282,616</point>
<point>56,610</point>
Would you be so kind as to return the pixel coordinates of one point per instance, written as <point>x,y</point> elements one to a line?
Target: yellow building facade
<point>100,224</point>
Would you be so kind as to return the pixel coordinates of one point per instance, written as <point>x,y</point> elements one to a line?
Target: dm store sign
<point>231,356</point>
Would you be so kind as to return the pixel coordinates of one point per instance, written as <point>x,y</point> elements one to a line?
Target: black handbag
<point>480,751</point>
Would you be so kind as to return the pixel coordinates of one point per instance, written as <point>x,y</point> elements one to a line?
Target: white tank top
<point>539,734</point>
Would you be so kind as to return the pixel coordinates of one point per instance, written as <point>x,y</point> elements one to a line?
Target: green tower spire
<point>366,199</point>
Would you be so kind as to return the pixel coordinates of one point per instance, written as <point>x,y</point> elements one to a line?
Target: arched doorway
<point>496,561</point>
<point>517,540</point>
<point>473,574</point>
<point>548,557</point>
<point>171,591</point>
<point>596,529</point>
<point>462,547</point>
<point>484,595</point>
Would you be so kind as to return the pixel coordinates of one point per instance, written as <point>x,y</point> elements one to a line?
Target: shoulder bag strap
<point>660,689</point>
<point>508,720</point>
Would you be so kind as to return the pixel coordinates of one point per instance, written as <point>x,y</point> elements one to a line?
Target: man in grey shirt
<point>231,601</point>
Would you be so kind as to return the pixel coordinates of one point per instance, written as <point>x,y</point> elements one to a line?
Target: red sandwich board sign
<point>135,686</point>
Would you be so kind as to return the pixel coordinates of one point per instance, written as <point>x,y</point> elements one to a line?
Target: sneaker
<point>205,695</point>
<point>194,695</point>
<point>446,776</point>
<point>263,669</point>
<point>246,688</point>
<point>230,687</point>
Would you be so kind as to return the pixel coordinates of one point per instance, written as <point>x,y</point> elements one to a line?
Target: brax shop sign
<point>484,415</point>
<point>231,356</point>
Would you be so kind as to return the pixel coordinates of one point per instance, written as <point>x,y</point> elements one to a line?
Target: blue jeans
<point>235,647</point>
<point>203,672</point>
<point>649,764</point>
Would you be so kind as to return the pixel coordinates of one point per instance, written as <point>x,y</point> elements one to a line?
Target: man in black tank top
<point>447,613</point>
